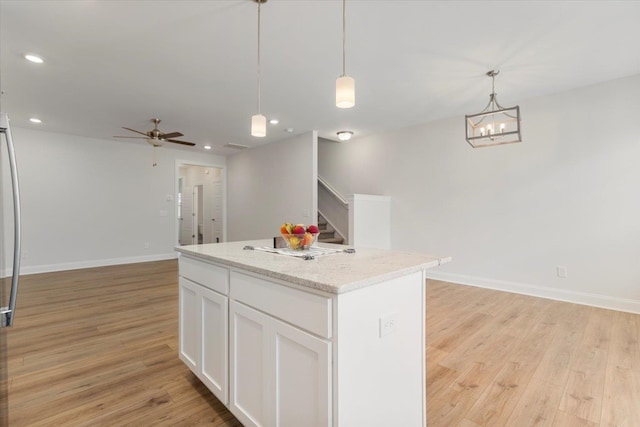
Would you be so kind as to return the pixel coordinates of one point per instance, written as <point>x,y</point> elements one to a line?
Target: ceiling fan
<point>157,138</point>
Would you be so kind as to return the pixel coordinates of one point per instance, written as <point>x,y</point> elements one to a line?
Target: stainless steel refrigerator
<point>9,251</point>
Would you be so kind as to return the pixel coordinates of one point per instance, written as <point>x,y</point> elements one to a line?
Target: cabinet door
<point>213,339</point>
<point>189,320</point>
<point>280,375</point>
<point>248,365</point>
<point>301,383</point>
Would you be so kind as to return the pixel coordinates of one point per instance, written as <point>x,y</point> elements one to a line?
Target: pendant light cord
<point>344,36</point>
<point>258,74</point>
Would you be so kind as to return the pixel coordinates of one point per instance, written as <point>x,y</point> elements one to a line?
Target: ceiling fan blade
<point>136,137</point>
<point>171,135</point>
<point>136,131</point>
<point>190,144</point>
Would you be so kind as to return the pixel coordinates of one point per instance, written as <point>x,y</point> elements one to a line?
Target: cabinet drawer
<point>208,275</point>
<point>303,309</point>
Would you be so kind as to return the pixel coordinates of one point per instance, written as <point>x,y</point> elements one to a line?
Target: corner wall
<point>272,184</point>
<point>568,195</point>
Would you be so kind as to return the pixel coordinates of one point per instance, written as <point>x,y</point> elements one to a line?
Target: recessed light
<point>34,58</point>
<point>289,130</point>
<point>35,120</point>
<point>207,147</point>
<point>274,121</point>
<point>345,135</point>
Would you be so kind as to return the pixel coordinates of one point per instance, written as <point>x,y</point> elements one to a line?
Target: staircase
<point>327,233</point>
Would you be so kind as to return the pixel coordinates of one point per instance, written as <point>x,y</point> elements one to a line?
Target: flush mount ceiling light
<point>345,135</point>
<point>495,125</point>
<point>34,58</point>
<point>345,85</point>
<point>258,121</point>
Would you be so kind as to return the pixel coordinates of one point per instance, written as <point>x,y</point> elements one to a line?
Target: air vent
<point>237,146</point>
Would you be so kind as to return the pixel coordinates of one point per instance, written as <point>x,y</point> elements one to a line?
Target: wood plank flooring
<point>98,347</point>
<point>500,359</point>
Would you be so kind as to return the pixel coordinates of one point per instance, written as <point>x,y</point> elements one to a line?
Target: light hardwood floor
<point>500,359</point>
<point>98,347</point>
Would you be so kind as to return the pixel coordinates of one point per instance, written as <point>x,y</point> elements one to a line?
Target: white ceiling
<point>193,63</point>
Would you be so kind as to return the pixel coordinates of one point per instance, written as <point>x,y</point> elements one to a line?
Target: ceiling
<point>113,63</point>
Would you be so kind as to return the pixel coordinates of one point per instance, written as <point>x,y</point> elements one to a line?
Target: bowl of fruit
<point>299,237</point>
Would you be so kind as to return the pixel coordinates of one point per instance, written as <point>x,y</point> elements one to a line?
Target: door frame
<point>182,162</point>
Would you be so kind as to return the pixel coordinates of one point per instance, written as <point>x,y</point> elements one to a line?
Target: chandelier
<point>495,125</point>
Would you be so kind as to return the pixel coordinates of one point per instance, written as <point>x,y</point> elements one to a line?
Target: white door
<point>213,357</point>
<point>186,218</point>
<point>217,213</point>
<point>195,199</point>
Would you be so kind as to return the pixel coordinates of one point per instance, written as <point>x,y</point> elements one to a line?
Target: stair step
<point>337,240</point>
<point>326,234</point>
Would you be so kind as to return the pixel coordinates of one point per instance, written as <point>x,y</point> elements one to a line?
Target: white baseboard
<point>35,269</point>
<point>595,300</point>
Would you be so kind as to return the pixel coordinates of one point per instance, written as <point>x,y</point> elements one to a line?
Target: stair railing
<point>333,207</point>
<point>335,193</point>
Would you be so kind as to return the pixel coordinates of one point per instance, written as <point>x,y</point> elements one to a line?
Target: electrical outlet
<point>25,254</point>
<point>562,271</point>
<point>388,324</point>
<point>146,245</point>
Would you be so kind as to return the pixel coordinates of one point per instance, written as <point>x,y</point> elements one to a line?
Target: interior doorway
<point>201,204</point>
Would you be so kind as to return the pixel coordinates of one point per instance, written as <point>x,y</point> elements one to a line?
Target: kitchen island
<point>337,340</point>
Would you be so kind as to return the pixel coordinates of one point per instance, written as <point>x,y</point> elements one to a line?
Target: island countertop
<point>333,273</point>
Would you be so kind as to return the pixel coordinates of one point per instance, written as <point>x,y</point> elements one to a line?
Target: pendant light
<point>495,125</point>
<point>258,121</point>
<point>345,85</point>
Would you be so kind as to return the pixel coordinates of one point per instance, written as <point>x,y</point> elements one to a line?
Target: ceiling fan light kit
<point>494,125</point>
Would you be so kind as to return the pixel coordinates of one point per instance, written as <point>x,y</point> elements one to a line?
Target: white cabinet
<point>189,324</point>
<point>281,355</point>
<point>280,375</point>
<point>213,341</point>
<point>204,330</point>
<point>249,365</point>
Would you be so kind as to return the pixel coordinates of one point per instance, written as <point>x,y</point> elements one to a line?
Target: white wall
<point>569,195</point>
<point>89,202</point>
<point>272,184</point>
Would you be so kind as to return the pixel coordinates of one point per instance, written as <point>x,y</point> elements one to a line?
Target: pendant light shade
<point>258,125</point>
<point>345,85</point>
<point>495,125</point>
<point>345,92</point>
<point>258,121</point>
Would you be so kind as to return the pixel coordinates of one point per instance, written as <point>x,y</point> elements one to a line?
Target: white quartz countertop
<point>334,273</point>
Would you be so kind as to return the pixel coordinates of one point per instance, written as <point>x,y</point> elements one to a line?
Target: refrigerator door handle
<point>7,313</point>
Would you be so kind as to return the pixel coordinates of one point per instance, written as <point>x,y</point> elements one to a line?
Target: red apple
<point>313,229</point>
<point>298,229</point>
